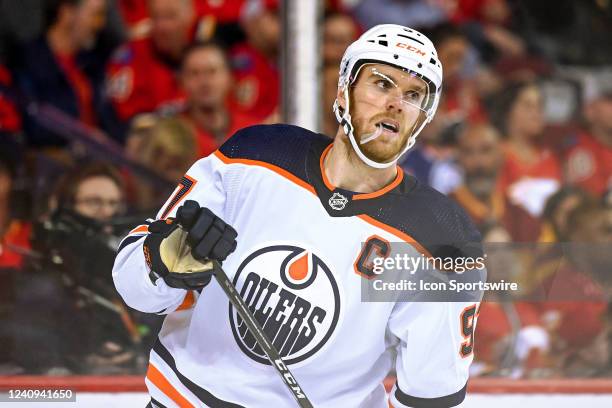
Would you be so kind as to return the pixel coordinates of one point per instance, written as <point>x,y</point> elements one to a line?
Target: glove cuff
<point>194,281</point>
<point>150,247</point>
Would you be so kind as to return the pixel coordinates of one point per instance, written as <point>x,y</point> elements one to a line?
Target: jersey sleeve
<point>434,353</point>
<point>436,336</point>
<point>202,183</point>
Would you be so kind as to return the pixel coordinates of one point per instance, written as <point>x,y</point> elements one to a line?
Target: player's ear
<point>340,97</point>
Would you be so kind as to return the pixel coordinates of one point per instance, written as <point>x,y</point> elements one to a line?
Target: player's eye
<point>413,96</point>
<point>383,84</point>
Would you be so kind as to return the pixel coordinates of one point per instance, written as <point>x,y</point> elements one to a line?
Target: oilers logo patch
<point>293,295</point>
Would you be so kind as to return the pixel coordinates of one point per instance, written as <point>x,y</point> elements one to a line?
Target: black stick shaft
<point>261,337</point>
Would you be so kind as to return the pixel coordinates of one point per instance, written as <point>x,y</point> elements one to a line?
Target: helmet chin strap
<point>344,118</point>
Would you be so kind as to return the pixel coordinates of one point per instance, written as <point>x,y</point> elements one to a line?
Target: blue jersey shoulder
<point>438,223</point>
<point>285,146</point>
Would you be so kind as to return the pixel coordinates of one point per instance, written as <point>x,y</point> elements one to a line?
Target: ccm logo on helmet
<point>410,48</point>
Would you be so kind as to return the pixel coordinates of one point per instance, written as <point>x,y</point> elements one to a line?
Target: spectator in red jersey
<point>556,229</point>
<point>512,341</point>
<point>588,163</point>
<point>207,81</point>
<point>577,292</point>
<point>531,172</point>
<point>171,25</point>
<point>142,73</point>
<point>254,62</point>
<point>210,14</point>
<point>480,157</point>
<point>59,68</point>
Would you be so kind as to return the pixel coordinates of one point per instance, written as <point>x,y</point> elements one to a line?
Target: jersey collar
<point>359,196</point>
<point>339,202</point>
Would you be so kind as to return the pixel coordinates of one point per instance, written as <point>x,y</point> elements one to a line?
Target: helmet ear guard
<point>399,47</point>
<point>342,114</point>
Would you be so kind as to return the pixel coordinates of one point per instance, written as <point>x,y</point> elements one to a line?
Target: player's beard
<point>385,147</point>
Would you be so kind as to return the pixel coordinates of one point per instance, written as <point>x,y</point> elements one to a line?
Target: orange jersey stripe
<point>158,379</point>
<point>139,229</point>
<point>188,301</point>
<point>362,196</point>
<point>395,183</point>
<point>281,172</point>
<point>327,183</point>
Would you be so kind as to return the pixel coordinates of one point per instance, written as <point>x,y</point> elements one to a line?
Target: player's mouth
<point>389,126</point>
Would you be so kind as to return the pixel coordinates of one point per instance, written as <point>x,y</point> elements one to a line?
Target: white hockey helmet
<point>400,47</point>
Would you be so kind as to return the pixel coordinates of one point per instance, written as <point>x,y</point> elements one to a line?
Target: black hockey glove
<point>208,235</point>
<point>180,250</point>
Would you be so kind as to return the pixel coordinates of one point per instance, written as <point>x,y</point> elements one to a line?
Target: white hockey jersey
<point>297,265</point>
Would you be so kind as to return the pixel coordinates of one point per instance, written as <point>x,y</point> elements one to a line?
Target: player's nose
<point>394,104</point>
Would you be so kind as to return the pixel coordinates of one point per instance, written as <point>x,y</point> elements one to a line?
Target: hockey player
<point>294,217</point>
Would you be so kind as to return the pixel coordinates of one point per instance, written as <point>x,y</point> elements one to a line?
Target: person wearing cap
<point>301,223</point>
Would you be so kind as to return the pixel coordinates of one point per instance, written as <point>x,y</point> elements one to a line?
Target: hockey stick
<point>260,336</point>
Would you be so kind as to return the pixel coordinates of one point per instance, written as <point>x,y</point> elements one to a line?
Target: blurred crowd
<point>104,104</point>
